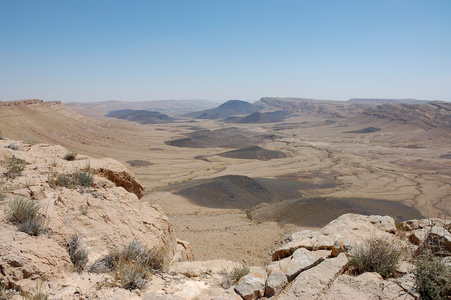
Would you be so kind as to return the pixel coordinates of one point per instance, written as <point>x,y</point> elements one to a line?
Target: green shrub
<point>376,255</point>
<point>432,276</point>
<point>14,166</point>
<point>78,253</point>
<point>25,214</point>
<point>70,155</point>
<point>133,265</point>
<point>84,178</point>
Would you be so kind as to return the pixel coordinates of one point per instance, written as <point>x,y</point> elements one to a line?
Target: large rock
<point>184,251</point>
<point>301,260</point>
<point>275,283</point>
<point>229,294</point>
<point>438,239</point>
<point>312,283</point>
<point>348,226</point>
<point>366,286</point>
<point>117,173</point>
<point>252,286</point>
<point>24,257</point>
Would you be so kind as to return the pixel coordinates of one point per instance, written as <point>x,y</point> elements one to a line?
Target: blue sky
<point>98,50</point>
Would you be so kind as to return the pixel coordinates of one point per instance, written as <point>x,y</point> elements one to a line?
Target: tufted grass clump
<point>25,214</point>
<point>376,255</point>
<point>133,265</point>
<point>71,155</point>
<point>231,278</point>
<point>14,166</point>
<point>78,253</point>
<point>77,178</point>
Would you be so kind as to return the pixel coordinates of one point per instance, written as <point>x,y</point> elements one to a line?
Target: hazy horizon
<point>93,51</point>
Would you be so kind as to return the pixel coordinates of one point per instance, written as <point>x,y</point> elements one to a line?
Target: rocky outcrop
<point>117,173</point>
<point>103,215</point>
<point>358,227</point>
<point>252,286</point>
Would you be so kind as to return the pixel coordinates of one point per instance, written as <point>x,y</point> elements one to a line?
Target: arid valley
<point>234,182</point>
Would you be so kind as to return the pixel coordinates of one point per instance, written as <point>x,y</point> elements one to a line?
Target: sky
<point>99,50</point>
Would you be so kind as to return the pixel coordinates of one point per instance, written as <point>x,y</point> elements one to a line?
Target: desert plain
<point>234,190</point>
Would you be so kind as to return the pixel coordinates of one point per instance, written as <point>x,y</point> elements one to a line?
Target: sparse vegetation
<point>39,295</point>
<point>432,276</point>
<point>231,278</point>
<point>25,213</point>
<point>71,155</point>
<point>71,180</point>
<point>29,140</point>
<point>14,166</point>
<point>133,265</point>
<point>376,255</point>
<point>2,191</point>
<point>78,253</point>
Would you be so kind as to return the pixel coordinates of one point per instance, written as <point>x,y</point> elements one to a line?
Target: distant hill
<point>318,108</point>
<point>173,107</point>
<point>376,101</point>
<point>225,110</point>
<point>427,116</point>
<point>141,116</point>
<point>259,118</point>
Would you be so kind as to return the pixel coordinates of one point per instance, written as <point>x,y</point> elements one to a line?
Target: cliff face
<point>426,116</point>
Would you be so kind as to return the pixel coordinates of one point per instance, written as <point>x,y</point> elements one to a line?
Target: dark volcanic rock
<point>224,138</point>
<point>141,116</point>
<point>253,152</point>
<point>228,109</point>
<point>259,118</point>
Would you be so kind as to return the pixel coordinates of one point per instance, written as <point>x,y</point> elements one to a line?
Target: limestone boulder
<point>252,286</point>
<point>184,251</point>
<point>275,283</point>
<point>117,173</point>
<point>312,283</point>
<point>365,286</point>
<point>301,260</point>
<point>348,226</point>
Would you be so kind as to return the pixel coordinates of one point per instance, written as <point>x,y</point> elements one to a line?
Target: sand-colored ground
<point>398,163</point>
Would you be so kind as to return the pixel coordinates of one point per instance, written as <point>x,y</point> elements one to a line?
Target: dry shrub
<point>376,255</point>
<point>231,278</point>
<point>14,166</point>
<point>132,265</point>
<point>432,273</point>
<point>70,155</point>
<point>78,253</point>
<point>71,180</point>
<point>432,276</point>
<point>25,213</point>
